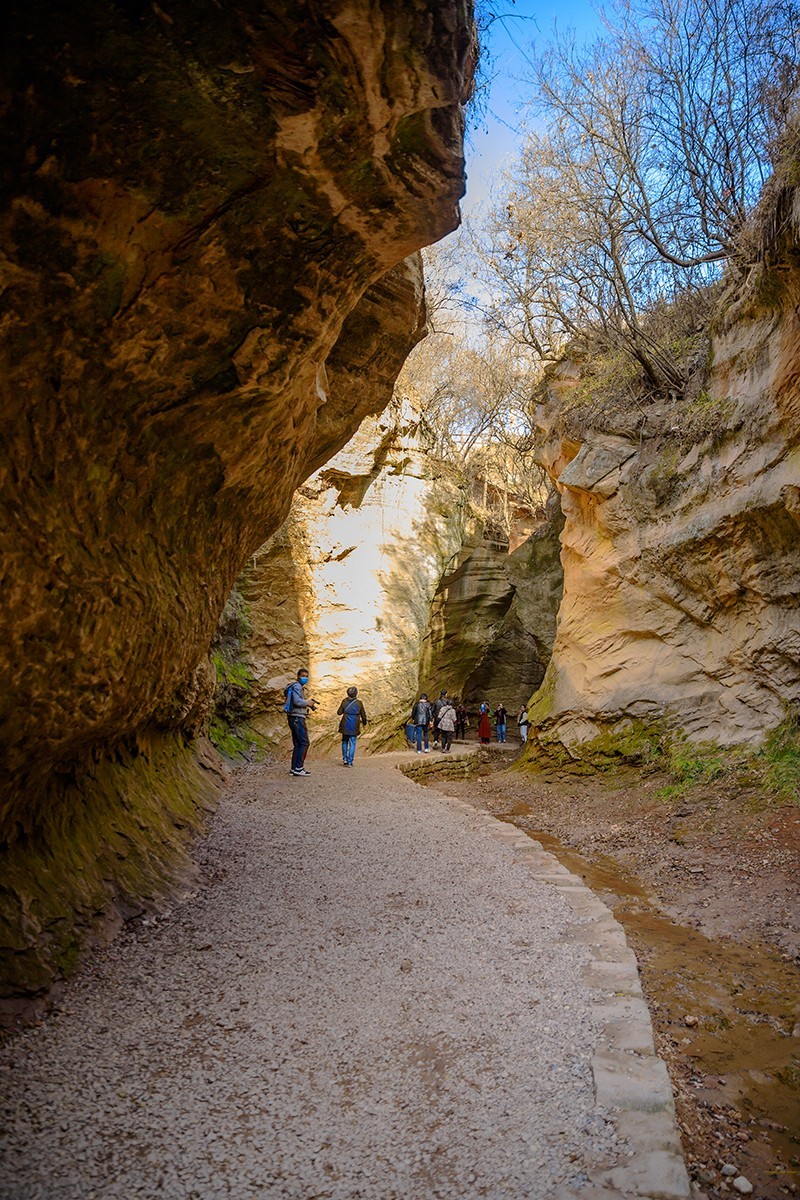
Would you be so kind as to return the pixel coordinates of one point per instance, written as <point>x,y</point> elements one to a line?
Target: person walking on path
<point>351,710</point>
<point>438,705</point>
<point>523,722</point>
<point>462,721</point>
<point>421,719</point>
<point>501,720</point>
<point>484,726</point>
<point>447,724</point>
<point>296,709</point>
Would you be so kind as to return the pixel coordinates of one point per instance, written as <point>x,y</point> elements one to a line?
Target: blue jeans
<point>299,741</point>
<point>348,748</point>
<point>420,732</point>
<point>501,733</point>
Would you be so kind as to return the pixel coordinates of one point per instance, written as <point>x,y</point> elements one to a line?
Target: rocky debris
<point>268,1038</point>
<point>207,221</point>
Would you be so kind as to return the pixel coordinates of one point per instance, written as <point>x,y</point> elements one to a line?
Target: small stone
<point>406,965</point>
<point>742,1185</point>
<point>729,1169</point>
<point>691,1021</point>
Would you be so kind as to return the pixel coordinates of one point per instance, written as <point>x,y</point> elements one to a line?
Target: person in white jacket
<point>447,725</point>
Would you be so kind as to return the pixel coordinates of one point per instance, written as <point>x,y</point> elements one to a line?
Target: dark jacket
<point>361,719</point>
<point>421,713</point>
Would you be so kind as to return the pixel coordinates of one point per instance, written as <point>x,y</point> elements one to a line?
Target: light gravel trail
<point>368,997</point>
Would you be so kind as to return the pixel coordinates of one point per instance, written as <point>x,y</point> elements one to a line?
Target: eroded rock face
<point>383,576</point>
<point>494,619</point>
<point>682,565</point>
<point>203,212</point>
<point>345,587</point>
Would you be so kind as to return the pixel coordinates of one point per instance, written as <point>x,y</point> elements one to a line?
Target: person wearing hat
<point>351,710</point>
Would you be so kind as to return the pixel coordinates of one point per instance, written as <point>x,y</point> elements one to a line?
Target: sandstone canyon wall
<point>681,552</point>
<point>386,575</point>
<point>205,211</point>
<point>493,620</point>
<point>346,585</point>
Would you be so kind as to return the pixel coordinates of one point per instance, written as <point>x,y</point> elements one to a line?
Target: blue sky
<point>510,39</point>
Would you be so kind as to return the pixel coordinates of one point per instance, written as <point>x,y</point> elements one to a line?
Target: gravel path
<point>369,997</point>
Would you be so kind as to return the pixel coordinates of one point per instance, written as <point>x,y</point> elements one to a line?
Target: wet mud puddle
<point>740,1063</point>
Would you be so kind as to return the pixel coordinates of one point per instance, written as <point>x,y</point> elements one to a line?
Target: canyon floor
<point>372,993</point>
<point>705,883</point>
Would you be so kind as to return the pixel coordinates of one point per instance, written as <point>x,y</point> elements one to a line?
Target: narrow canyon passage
<point>369,995</point>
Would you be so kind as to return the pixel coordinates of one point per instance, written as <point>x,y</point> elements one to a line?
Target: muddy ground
<point>706,885</point>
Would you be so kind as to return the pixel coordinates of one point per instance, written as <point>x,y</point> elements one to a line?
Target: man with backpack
<point>351,710</point>
<point>296,708</point>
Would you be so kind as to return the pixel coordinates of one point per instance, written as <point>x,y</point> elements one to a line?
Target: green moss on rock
<point>118,846</point>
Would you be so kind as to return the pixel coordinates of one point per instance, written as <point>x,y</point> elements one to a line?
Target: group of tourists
<point>446,718</point>
<point>438,722</point>
<point>443,718</point>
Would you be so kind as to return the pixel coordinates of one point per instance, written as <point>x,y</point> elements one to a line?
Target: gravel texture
<point>368,997</point>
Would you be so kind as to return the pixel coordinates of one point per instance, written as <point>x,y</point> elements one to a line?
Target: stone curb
<point>630,1079</point>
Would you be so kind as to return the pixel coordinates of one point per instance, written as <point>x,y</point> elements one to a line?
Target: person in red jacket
<point>484,726</point>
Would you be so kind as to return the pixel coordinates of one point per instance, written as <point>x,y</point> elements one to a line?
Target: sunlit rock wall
<point>345,587</point>
<point>682,563</point>
<point>202,207</point>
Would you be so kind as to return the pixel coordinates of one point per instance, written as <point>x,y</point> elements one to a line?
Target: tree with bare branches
<point>649,149</point>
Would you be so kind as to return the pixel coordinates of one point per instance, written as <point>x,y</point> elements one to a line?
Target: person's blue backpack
<point>287,707</point>
<point>351,715</point>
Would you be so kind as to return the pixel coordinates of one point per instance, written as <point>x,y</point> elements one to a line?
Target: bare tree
<point>476,399</point>
<point>650,149</point>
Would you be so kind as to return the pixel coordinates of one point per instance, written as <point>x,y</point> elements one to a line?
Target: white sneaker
<point>426,750</point>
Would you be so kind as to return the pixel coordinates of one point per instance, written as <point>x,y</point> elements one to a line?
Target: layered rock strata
<point>386,576</point>
<point>682,555</point>
<point>203,212</point>
<point>493,620</point>
<point>345,587</point>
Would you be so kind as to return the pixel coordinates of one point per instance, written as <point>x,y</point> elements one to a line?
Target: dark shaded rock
<point>194,199</point>
<point>494,620</point>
